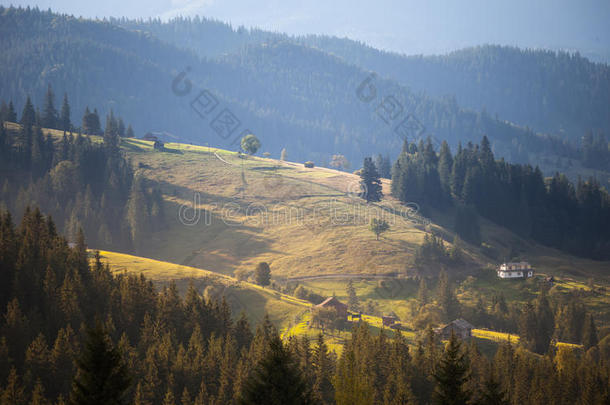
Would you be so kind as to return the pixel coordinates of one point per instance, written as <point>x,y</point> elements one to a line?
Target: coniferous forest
<point>72,332</point>
<point>553,211</point>
<point>82,184</point>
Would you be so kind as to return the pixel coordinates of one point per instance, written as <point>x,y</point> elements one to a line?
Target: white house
<point>515,270</point>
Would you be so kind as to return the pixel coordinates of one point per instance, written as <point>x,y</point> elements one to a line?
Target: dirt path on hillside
<point>345,276</point>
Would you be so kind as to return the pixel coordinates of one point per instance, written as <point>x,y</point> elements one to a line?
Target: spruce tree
<point>64,119</point>
<point>49,113</point>
<point>491,393</point>
<point>370,182</point>
<point>121,127</point>
<point>422,292</point>
<point>28,116</point>
<point>102,376</point>
<point>111,134</point>
<point>589,335</point>
<point>445,164</point>
<point>323,371</point>
<point>13,393</point>
<point>38,395</point>
<point>11,115</point>
<point>451,375</point>
<point>276,380</point>
<point>450,306</point>
<point>353,303</point>
<point>545,323</point>
<point>91,122</point>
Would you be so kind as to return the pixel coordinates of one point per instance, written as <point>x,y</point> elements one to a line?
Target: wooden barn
<point>333,302</point>
<point>158,145</point>
<point>388,320</point>
<point>461,328</point>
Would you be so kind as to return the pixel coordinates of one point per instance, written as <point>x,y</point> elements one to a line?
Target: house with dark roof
<point>388,320</point>
<point>333,303</point>
<point>460,327</point>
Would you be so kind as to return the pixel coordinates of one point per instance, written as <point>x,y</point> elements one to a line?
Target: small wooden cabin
<point>388,320</point>
<point>460,327</point>
<point>333,302</point>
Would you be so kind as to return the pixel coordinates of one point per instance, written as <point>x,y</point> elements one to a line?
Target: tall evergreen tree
<point>11,115</point>
<point>323,371</point>
<point>13,393</point>
<point>276,380</point>
<point>370,182</point>
<point>49,113</point>
<point>589,335</point>
<point>28,116</point>
<point>384,166</point>
<point>112,139</point>
<point>102,376</point>
<point>448,302</point>
<point>491,393</point>
<point>422,292</point>
<point>64,121</point>
<point>353,303</point>
<point>91,122</point>
<point>445,165</point>
<point>452,375</point>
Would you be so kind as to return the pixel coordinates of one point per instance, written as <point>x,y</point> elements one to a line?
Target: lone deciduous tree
<point>378,226</point>
<point>250,144</point>
<point>262,274</point>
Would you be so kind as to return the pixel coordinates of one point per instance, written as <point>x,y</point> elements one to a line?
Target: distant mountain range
<point>314,96</point>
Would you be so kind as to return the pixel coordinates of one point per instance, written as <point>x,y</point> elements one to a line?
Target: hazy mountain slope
<point>553,92</point>
<point>290,95</point>
<point>549,91</point>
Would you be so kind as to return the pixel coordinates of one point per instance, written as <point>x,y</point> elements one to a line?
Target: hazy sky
<point>422,26</point>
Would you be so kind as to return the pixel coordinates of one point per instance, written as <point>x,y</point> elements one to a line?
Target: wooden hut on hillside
<point>460,327</point>
<point>333,302</point>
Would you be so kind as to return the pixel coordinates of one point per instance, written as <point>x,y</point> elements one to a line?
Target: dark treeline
<point>552,211</point>
<point>82,183</point>
<point>69,323</point>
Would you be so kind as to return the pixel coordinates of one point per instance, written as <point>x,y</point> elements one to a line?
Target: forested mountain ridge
<point>283,91</point>
<point>554,92</point>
